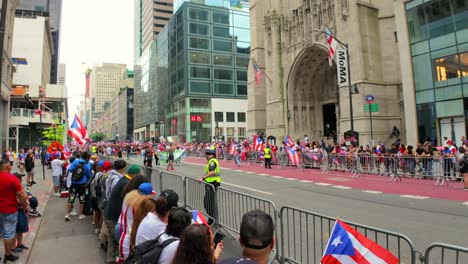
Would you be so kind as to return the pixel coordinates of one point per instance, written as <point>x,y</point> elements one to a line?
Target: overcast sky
<point>94,31</point>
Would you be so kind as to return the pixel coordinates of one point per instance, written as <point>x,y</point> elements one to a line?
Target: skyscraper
<point>52,8</point>
<point>150,18</point>
<point>105,80</point>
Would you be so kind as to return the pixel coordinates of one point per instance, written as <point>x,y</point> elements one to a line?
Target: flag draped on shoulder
<point>332,45</point>
<point>293,156</point>
<point>258,73</point>
<point>257,143</point>
<point>78,131</point>
<point>348,246</point>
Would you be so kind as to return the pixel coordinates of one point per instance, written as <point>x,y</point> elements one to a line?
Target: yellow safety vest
<point>217,176</point>
<point>267,152</point>
<point>94,149</point>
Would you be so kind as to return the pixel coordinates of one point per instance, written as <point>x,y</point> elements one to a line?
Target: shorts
<point>8,225</point>
<point>22,225</point>
<point>77,190</point>
<point>56,180</point>
<point>94,204</point>
<point>171,157</point>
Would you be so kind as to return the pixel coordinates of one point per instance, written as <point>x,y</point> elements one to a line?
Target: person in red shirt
<point>12,195</point>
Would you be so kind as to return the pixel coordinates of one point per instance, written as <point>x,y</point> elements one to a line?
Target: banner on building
<point>342,68</point>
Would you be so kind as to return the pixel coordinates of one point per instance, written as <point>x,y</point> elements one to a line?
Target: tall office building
<point>150,19</point>
<point>105,81</point>
<point>62,69</point>
<point>53,9</point>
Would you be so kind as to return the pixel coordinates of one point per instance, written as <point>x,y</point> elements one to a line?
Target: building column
<point>188,131</point>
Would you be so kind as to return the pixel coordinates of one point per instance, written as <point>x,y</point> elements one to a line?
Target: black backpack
<point>148,251</point>
<point>78,173</point>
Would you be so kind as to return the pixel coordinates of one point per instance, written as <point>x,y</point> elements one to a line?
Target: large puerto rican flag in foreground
<point>294,157</point>
<point>348,246</point>
<point>257,143</point>
<point>78,131</point>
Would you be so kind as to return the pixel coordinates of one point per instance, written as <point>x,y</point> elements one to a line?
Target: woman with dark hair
<point>196,246</point>
<point>133,184</point>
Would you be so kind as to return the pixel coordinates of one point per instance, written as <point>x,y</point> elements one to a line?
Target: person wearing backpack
<point>463,165</point>
<point>163,248</point>
<point>81,173</point>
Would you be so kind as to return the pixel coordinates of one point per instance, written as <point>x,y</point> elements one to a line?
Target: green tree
<point>98,136</point>
<point>53,133</point>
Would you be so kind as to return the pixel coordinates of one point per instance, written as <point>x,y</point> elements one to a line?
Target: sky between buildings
<point>94,31</point>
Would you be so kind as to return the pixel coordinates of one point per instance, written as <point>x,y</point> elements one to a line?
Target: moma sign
<point>342,67</point>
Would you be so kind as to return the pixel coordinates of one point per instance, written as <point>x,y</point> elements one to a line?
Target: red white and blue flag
<point>294,157</point>
<point>257,144</point>
<point>199,218</point>
<point>232,149</point>
<point>78,131</point>
<point>289,141</point>
<point>257,74</point>
<point>332,45</point>
<point>348,246</point>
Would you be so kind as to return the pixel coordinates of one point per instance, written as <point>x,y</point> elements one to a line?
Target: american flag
<point>257,144</point>
<point>289,141</point>
<point>257,74</point>
<point>293,156</point>
<point>332,44</point>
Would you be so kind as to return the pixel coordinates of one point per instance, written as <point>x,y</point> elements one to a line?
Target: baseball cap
<point>106,165</point>
<point>210,151</point>
<point>100,163</point>
<point>146,189</point>
<point>171,197</point>
<point>133,169</point>
<point>57,155</point>
<point>256,230</point>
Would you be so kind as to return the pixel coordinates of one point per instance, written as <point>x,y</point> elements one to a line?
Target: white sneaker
<point>81,217</point>
<point>97,231</point>
<point>73,212</point>
<point>57,195</point>
<point>67,217</point>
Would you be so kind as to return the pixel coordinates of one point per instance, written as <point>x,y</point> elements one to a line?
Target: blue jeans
<point>8,225</point>
<point>238,162</point>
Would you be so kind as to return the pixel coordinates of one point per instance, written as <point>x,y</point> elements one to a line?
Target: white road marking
<point>243,187</point>
<point>239,170</point>
<point>415,197</point>
<point>465,203</point>
<point>306,181</point>
<point>323,184</point>
<point>277,177</point>
<point>249,172</point>
<point>373,192</point>
<point>263,174</point>
<point>291,179</point>
<point>341,187</point>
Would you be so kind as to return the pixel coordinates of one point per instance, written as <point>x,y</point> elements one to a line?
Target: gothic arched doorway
<point>312,95</point>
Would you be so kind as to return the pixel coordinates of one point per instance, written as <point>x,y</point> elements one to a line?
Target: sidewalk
<point>408,186</point>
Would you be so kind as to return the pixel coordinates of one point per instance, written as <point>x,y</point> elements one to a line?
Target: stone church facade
<point>299,93</point>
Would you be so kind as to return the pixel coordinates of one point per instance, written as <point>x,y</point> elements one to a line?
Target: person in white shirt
<point>155,221</point>
<point>178,220</point>
<point>57,170</point>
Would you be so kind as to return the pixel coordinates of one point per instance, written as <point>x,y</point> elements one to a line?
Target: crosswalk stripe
<point>373,192</point>
<point>277,177</point>
<point>249,172</point>
<point>323,184</point>
<point>263,174</point>
<point>414,197</point>
<point>291,179</point>
<point>341,187</point>
<point>306,181</point>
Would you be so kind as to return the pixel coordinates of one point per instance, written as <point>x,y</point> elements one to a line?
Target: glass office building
<point>202,54</point>
<point>438,31</point>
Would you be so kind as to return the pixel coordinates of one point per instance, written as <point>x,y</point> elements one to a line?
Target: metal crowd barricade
<point>312,160</point>
<point>441,253</point>
<point>233,205</point>
<point>304,236</point>
<point>201,196</point>
<point>175,182</point>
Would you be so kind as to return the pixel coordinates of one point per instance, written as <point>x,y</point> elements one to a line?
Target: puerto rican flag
<point>232,149</point>
<point>289,141</point>
<point>332,44</point>
<point>348,246</point>
<point>293,156</point>
<point>199,218</point>
<point>257,144</point>
<point>78,131</point>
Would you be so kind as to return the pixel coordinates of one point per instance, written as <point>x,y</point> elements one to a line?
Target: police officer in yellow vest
<point>267,156</point>
<point>212,177</point>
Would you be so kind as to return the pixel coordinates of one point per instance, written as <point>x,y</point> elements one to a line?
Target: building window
<point>219,117</point>
<point>200,29</point>
<point>161,18</point>
<point>222,74</point>
<point>241,89</point>
<point>230,117</point>
<point>447,68</point>
<point>242,62</point>
<point>222,32</point>
<point>230,132</point>
<point>242,76</point>
<point>200,87</point>
<point>225,46</point>
<point>241,132</point>
<point>200,72</point>
<point>241,21</point>
<point>159,25</point>
<point>199,43</point>
<point>223,89</point>
<point>243,47</point>
<point>198,14</point>
<point>200,57</point>
<point>439,18</point>
<point>162,11</point>
<point>224,60</point>
<point>221,18</point>
<point>162,3</point>
<point>241,117</point>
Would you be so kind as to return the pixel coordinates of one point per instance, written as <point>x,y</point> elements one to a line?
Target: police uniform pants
<point>268,163</point>
<point>209,201</point>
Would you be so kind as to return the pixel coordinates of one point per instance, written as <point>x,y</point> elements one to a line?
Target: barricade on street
<point>201,196</point>
<point>440,253</point>
<point>172,181</point>
<point>304,236</point>
<point>313,160</point>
